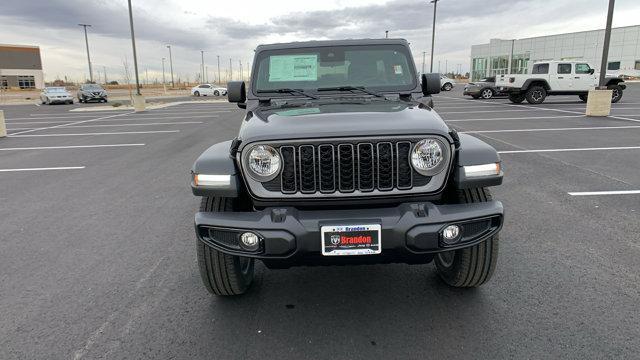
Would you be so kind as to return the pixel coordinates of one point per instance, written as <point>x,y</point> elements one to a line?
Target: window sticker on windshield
<point>293,68</point>
<point>397,69</point>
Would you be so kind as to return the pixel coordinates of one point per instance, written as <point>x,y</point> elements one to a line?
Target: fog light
<point>249,240</point>
<point>450,234</point>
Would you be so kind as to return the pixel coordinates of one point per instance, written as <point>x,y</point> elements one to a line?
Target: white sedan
<point>208,90</point>
<point>52,95</point>
<point>446,83</point>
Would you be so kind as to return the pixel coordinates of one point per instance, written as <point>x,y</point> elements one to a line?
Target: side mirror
<point>430,84</point>
<point>236,93</point>
<point>592,71</point>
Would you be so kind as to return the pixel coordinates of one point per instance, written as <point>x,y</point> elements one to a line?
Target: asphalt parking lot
<point>98,259</point>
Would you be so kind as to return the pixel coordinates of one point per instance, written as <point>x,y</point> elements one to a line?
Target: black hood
<point>349,118</point>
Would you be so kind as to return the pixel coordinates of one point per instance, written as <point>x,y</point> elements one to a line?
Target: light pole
<point>433,31</point>
<point>240,67</point>
<point>219,81</point>
<point>86,40</point>
<point>173,85</point>
<point>133,44</point>
<point>202,56</point>
<point>386,34</point>
<point>164,82</point>
<point>605,46</point>
<point>424,55</point>
<point>230,70</point>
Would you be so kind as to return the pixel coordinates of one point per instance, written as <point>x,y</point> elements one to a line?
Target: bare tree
<point>127,77</point>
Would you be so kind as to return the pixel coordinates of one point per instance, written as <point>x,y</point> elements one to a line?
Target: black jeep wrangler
<point>341,159</point>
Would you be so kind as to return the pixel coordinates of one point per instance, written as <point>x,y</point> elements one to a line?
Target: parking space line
<point>69,147</point>
<point>44,169</point>
<point>596,193</point>
<point>549,109</point>
<point>99,134</point>
<point>517,118</point>
<point>142,124</point>
<point>110,120</point>
<point>550,129</point>
<point>568,150</point>
<point>72,123</point>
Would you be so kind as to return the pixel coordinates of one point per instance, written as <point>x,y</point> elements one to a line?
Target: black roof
<point>318,43</point>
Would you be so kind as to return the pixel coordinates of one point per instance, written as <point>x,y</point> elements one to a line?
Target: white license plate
<point>338,240</point>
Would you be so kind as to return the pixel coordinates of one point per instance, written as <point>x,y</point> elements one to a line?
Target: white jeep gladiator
<point>555,78</point>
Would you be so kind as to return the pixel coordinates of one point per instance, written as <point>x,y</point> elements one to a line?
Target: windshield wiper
<point>351,88</point>
<point>288,91</point>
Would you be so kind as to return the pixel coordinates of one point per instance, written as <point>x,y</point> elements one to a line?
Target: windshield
<point>92,87</point>
<point>55,90</point>
<point>379,67</point>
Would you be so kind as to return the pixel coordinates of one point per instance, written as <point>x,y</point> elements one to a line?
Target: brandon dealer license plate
<point>351,240</point>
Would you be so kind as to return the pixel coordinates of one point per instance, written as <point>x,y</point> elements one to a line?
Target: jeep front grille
<point>346,167</point>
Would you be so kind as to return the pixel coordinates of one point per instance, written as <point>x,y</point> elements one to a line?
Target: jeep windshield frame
<point>379,68</point>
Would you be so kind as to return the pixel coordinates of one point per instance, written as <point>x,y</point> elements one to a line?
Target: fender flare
<point>216,160</point>
<point>528,83</point>
<point>473,151</point>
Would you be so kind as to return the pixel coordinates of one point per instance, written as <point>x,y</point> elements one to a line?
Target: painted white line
<point>549,129</point>
<point>111,120</point>
<point>543,108</point>
<point>69,147</point>
<point>596,193</point>
<point>517,118</point>
<point>498,110</point>
<point>99,134</point>
<point>143,124</point>
<point>72,123</point>
<point>568,150</point>
<point>145,114</point>
<point>43,169</point>
<point>38,122</point>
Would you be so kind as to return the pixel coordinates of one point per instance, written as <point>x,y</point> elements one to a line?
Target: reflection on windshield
<point>56,90</point>
<point>381,67</point>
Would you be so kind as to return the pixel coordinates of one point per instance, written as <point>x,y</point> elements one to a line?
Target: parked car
<point>446,83</point>
<point>340,159</point>
<point>55,95</point>
<point>92,92</point>
<point>556,78</point>
<point>208,90</point>
<point>484,88</point>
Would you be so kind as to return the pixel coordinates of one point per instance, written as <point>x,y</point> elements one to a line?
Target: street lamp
<point>605,46</point>
<point>202,76</point>
<point>86,40</point>
<point>433,31</point>
<point>173,85</point>
<point>133,44</point>
<point>386,34</point>
<point>219,81</point>
<point>424,54</point>
<point>230,70</point>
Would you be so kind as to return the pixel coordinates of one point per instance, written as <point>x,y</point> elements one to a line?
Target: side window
<point>204,86</point>
<point>540,69</point>
<point>583,69</point>
<point>564,68</point>
<point>614,65</point>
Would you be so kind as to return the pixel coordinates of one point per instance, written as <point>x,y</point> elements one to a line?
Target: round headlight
<point>429,157</point>
<point>263,162</point>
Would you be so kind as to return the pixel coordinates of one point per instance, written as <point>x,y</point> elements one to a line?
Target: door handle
<point>560,77</point>
<point>577,77</point>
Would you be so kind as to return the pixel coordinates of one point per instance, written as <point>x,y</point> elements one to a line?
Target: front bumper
<point>289,237</point>
<point>471,91</point>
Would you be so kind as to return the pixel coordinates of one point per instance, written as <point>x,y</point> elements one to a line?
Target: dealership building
<point>20,67</point>
<point>517,56</point>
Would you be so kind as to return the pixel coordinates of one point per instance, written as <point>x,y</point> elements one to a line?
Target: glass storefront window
<point>26,82</point>
<point>478,68</point>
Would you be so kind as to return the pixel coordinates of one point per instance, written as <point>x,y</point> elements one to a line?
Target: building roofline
<point>567,33</point>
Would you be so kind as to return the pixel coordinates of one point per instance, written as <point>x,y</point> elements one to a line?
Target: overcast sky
<point>233,29</point>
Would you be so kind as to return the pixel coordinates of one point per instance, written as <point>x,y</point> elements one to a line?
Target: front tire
<point>516,98</point>
<point>197,93</point>
<point>536,95</point>
<point>222,274</point>
<point>472,266</point>
<point>617,93</point>
<point>487,94</point>
<point>447,87</point>
<point>216,93</point>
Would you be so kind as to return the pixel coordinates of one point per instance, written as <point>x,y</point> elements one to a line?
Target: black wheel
<point>472,266</point>
<point>197,93</point>
<point>216,93</point>
<point>617,93</point>
<point>536,95</point>
<point>516,98</point>
<point>583,97</point>
<point>447,87</point>
<point>222,274</point>
<point>486,93</point>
